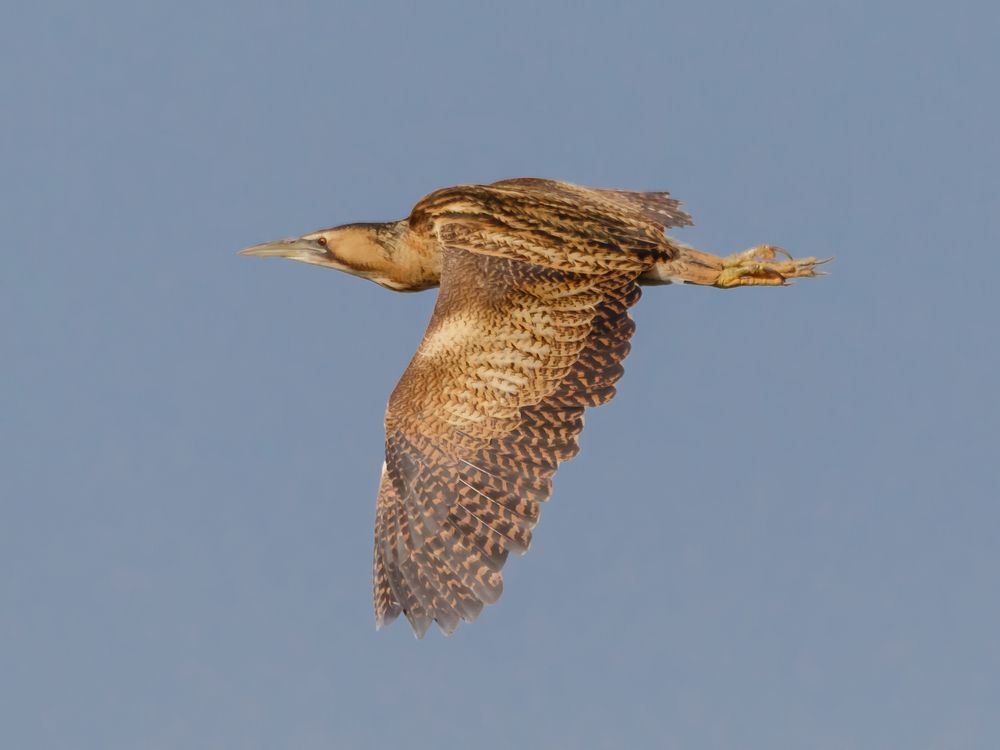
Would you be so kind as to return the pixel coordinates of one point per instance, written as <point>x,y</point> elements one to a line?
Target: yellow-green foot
<point>758,266</point>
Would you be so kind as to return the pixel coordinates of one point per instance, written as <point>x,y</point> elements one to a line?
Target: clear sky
<point>784,531</point>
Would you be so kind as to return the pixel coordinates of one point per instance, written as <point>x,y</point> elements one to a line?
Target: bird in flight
<point>530,327</point>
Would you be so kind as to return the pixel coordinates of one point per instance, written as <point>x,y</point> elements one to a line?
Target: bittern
<point>530,327</point>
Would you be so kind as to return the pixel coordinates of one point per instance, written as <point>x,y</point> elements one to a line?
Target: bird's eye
<point>321,240</point>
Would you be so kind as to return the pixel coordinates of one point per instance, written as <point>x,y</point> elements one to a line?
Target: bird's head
<point>378,252</point>
<point>353,248</point>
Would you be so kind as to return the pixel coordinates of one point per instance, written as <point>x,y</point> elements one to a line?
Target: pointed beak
<point>295,248</point>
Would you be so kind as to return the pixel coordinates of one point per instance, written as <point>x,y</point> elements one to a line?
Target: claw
<point>757,267</point>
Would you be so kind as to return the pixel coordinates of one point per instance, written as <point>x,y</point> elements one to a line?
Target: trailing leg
<point>758,266</point>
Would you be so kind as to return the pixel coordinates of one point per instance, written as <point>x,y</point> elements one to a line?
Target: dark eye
<point>321,240</point>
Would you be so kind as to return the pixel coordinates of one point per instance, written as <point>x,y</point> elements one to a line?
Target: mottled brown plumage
<point>530,327</point>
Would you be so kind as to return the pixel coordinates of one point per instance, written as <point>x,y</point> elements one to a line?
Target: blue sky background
<point>782,533</point>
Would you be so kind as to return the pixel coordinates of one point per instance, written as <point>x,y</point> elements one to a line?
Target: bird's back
<point>553,224</point>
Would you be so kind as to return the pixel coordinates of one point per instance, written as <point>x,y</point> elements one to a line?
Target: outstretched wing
<point>530,327</point>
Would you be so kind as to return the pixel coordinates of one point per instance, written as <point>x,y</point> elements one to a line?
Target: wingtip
<point>385,618</point>
<point>419,626</point>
